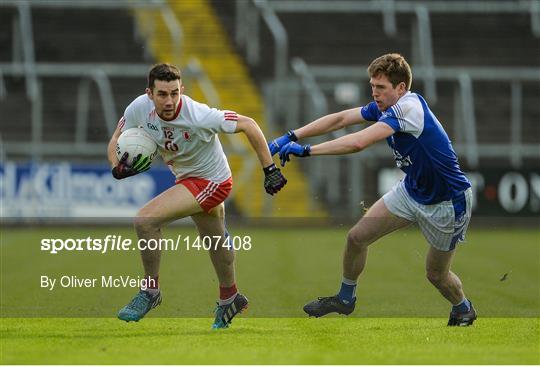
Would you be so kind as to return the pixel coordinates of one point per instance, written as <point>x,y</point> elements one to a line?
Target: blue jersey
<point>421,149</point>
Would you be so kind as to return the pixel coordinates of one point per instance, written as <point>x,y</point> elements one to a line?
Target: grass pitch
<point>400,317</point>
<point>269,341</point>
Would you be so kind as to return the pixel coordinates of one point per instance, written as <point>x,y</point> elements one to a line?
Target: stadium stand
<point>489,111</point>
<point>53,30</point>
<point>65,39</point>
<point>478,68</point>
<point>459,39</point>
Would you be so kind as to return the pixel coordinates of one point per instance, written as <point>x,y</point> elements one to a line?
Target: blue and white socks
<point>347,293</point>
<point>462,307</point>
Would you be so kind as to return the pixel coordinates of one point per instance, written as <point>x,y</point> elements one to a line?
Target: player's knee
<point>145,224</point>
<point>218,211</point>
<point>356,239</point>
<point>436,278</point>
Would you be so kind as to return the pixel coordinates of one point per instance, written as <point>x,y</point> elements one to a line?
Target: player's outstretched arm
<point>347,144</point>
<point>355,142</point>
<point>274,180</point>
<point>321,126</point>
<point>329,123</point>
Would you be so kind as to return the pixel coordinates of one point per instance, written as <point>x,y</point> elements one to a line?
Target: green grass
<point>400,317</point>
<point>269,341</point>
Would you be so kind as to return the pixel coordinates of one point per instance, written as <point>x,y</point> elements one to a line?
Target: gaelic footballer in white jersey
<point>186,134</point>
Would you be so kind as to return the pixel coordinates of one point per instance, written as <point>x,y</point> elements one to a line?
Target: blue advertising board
<point>63,189</point>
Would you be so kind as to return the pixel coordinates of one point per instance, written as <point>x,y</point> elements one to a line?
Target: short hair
<point>394,67</point>
<point>164,72</point>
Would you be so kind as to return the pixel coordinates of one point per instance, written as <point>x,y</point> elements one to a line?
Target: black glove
<point>123,169</point>
<point>273,179</point>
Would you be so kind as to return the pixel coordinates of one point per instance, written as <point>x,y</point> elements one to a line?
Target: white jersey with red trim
<point>188,143</point>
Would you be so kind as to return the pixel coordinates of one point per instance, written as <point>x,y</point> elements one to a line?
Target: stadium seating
<point>69,36</point>
<point>491,39</point>
<point>64,35</point>
<point>478,39</point>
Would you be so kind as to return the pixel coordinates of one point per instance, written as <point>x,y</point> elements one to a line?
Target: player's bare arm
<point>321,126</point>
<point>329,123</point>
<point>347,144</point>
<point>256,138</point>
<point>355,142</point>
<point>273,179</point>
<point>111,148</point>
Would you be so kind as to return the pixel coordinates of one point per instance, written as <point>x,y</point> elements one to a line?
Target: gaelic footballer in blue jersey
<point>435,193</point>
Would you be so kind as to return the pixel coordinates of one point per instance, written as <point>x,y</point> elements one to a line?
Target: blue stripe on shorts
<point>460,210</point>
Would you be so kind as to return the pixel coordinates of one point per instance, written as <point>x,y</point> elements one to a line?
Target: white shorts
<point>443,224</point>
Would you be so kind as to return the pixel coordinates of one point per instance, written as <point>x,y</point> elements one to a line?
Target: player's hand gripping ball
<point>135,150</point>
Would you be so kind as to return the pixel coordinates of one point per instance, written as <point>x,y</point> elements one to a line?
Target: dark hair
<point>165,72</point>
<point>394,67</point>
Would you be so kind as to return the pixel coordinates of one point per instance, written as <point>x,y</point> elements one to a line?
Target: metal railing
<point>284,92</point>
<point>247,33</point>
<point>173,26</point>
<point>24,64</point>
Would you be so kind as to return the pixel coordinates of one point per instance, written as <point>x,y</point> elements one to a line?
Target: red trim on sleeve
<point>231,116</point>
